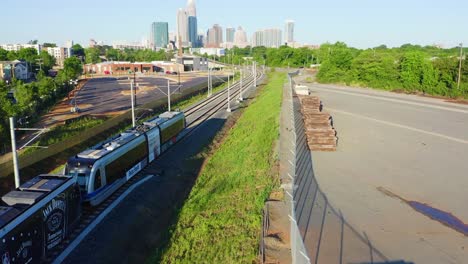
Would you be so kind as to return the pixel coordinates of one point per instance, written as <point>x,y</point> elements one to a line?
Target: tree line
<point>28,100</point>
<point>409,68</point>
<point>33,98</point>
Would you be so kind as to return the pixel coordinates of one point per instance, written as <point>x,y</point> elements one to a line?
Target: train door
<point>154,144</point>
<point>99,179</point>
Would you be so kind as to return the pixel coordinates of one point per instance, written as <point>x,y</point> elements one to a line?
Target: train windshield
<point>81,178</point>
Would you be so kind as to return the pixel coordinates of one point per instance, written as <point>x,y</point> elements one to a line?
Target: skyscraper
<point>270,38</point>
<point>214,36</point>
<point>240,38</point>
<point>191,9</point>
<point>187,25</point>
<point>159,35</point>
<point>182,28</point>
<point>289,31</point>
<point>230,31</point>
<point>193,31</point>
<point>192,23</point>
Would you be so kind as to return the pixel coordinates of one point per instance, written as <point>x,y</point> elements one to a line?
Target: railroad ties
<point>321,136</point>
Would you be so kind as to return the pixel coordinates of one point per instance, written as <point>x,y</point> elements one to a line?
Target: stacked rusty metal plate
<point>321,136</point>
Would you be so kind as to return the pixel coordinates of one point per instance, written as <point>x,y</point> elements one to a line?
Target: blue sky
<point>359,23</point>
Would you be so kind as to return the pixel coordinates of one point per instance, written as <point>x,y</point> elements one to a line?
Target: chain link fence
<point>319,232</point>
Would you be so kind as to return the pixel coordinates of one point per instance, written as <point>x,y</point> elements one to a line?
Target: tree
<point>78,50</point>
<point>28,54</point>
<point>47,61</point>
<point>92,55</point>
<point>12,55</point>
<point>411,70</point>
<point>49,45</point>
<point>72,68</point>
<point>371,70</point>
<point>3,55</point>
<point>112,54</point>
<point>335,64</point>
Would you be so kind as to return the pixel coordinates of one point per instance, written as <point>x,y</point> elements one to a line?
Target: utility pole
<point>169,95</point>
<point>13,151</point>
<point>209,82</point>
<point>460,66</point>
<point>240,89</point>
<point>13,146</point>
<point>255,73</point>
<point>133,104</point>
<point>229,95</point>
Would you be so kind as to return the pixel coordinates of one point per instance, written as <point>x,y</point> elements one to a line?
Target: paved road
<point>111,95</point>
<point>394,149</point>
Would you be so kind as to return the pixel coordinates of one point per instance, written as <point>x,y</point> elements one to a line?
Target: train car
<point>104,168</point>
<point>38,216</point>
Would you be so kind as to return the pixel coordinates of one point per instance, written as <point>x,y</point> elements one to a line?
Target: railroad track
<point>208,108</point>
<point>192,109</point>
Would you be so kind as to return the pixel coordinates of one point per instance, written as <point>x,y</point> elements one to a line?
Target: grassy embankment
<point>221,220</point>
<point>60,133</point>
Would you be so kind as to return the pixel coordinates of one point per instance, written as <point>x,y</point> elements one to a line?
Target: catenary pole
<point>169,95</point>
<point>14,153</point>
<point>229,95</point>
<point>133,103</point>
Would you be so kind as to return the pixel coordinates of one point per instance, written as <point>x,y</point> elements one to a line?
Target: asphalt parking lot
<point>111,95</point>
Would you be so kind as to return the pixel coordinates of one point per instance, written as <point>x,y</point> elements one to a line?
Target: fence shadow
<point>321,234</point>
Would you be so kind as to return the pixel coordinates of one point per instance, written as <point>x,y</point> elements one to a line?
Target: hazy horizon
<point>361,24</point>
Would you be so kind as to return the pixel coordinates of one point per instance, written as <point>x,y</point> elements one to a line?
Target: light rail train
<point>36,217</point>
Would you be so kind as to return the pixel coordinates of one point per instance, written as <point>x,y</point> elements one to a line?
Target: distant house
<point>14,69</point>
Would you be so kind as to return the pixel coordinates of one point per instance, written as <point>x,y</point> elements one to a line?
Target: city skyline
<point>360,24</point>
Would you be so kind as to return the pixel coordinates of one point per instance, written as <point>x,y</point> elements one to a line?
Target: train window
<point>97,180</point>
<point>118,168</point>
<point>172,130</point>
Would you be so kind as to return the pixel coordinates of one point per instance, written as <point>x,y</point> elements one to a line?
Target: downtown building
<point>17,47</point>
<point>270,38</point>
<point>289,31</point>
<point>187,26</point>
<point>240,38</point>
<point>159,35</point>
<point>59,53</point>
<point>230,31</point>
<point>182,28</point>
<point>214,37</point>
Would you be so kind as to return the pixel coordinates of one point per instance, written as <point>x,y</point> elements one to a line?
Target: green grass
<point>221,220</point>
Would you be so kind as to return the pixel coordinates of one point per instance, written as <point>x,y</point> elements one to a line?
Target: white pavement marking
<point>96,221</point>
<point>395,100</point>
<point>401,126</point>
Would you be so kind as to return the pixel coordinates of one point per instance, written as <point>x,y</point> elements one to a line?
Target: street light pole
<point>133,104</point>
<point>14,153</point>
<point>460,66</point>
